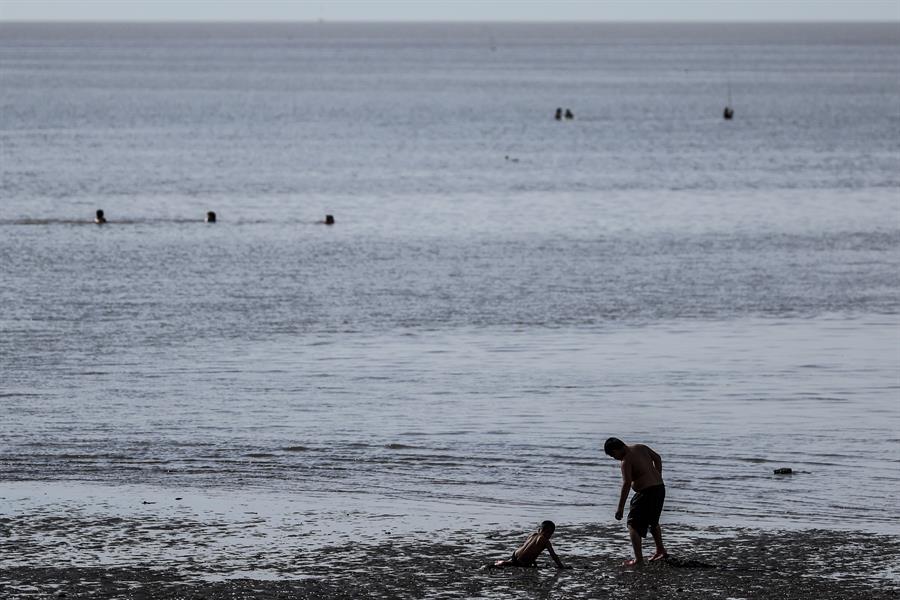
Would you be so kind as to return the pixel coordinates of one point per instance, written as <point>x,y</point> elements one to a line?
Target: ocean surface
<point>500,293</point>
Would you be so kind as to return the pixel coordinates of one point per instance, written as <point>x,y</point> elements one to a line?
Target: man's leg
<point>656,532</point>
<point>636,544</point>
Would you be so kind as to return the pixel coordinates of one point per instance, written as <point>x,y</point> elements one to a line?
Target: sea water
<point>500,293</point>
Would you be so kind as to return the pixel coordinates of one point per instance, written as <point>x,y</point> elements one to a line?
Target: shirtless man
<point>642,472</point>
<point>527,553</point>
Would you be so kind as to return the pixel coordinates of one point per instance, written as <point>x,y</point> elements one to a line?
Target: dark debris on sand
<point>746,564</point>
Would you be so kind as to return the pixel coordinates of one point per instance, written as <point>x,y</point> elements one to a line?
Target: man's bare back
<point>642,466</point>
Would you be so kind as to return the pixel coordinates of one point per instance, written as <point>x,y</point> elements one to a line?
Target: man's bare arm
<point>656,459</point>
<point>626,487</point>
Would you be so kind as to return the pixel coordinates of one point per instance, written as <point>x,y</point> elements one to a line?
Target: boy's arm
<point>626,487</point>
<point>555,557</point>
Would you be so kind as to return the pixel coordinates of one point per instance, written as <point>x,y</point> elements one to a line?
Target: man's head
<point>615,447</point>
<point>548,527</point>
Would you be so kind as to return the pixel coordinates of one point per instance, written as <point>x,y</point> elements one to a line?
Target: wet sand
<point>707,563</point>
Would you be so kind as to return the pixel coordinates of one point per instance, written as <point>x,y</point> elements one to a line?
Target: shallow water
<point>469,423</point>
<point>500,293</point>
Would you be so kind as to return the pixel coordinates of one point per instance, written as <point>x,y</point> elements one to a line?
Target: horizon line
<point>459,21</point>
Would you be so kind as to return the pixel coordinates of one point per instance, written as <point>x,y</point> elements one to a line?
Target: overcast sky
<point>452,10</point>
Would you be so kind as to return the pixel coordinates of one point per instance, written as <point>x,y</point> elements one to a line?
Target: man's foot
<point>633,562</point>
<point>663,555</point>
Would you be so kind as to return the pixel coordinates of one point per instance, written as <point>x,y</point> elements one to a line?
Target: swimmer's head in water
<point>548,527</point>
<point>614,447</point>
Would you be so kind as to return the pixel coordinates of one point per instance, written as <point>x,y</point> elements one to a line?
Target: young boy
<point>528,552</point>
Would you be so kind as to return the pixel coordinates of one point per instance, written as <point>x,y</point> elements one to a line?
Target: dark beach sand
<point>743,564</point>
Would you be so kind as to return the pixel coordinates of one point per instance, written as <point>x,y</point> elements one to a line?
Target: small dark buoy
<point>329,219</point>
<point>558,115</point>
<point>727,113</point>
<point>569,114</point>
<point>210,217</point>
<point>99,219</point>
<point>784,471</point>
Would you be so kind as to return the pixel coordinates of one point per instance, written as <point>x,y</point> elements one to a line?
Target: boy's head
<point>548,527</point>
<point>614,447</point>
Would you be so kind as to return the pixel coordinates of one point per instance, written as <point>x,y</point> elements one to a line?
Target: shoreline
<point>742,563</point>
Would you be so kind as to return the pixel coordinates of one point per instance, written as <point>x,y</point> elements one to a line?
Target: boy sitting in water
<point>527,553</point>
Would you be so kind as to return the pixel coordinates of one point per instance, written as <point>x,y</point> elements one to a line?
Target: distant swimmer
<point>210,217</point>
<point>642,472</point>
<point>329,220</point>
<point>526,555</point>
<point>515,160</point>
<point>558,115</point>
<point>569,114</point>
<point>728,113</point>
<point>99,219</point>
